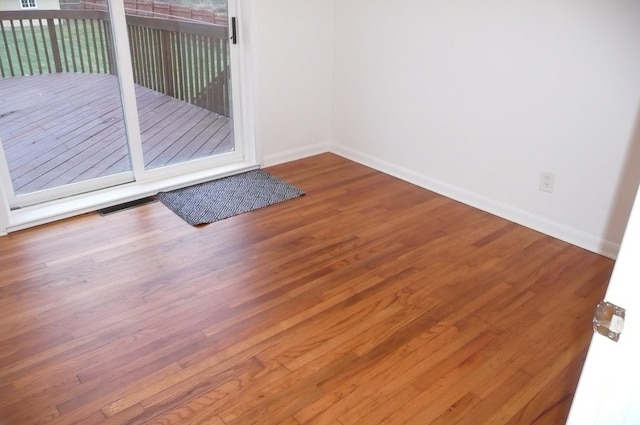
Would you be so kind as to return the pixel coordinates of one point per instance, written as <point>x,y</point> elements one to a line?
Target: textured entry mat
<point>229,196</point>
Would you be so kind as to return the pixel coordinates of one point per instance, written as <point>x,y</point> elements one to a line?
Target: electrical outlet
<point>546,181</point>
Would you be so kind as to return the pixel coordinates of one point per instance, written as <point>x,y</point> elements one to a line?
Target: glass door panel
<point>61,118</point>
<point>180,59</point>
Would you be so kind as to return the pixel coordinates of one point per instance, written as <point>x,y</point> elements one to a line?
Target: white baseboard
<point>516,215</point>
<point>294,154</point>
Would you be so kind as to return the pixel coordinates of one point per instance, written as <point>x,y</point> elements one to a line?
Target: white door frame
<point>124,68</point>
<point>4,211</point>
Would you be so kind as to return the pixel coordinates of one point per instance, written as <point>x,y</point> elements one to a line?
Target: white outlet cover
<point>547,181</point>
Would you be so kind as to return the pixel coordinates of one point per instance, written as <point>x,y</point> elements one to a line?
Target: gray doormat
<point>229,196</point>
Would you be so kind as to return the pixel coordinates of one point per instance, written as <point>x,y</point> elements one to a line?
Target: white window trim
<point>28,4</point>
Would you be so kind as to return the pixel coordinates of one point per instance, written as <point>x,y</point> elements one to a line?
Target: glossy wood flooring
<point>367,301</point>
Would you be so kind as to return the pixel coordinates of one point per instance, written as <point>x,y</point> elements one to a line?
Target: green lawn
<point>28,49</point>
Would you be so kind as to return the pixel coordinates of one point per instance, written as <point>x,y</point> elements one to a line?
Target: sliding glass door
<point>181,69</point>
<point>108,92</point>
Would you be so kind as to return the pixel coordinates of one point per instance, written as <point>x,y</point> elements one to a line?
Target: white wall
<point>474,99</point>
<point>292,64</point>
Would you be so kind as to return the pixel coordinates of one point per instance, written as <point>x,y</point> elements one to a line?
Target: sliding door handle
<point>234,31</point>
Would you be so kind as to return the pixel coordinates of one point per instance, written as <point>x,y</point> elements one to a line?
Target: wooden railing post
<point>55,51</point>
<point>167,63</point>
<point>111,53</point>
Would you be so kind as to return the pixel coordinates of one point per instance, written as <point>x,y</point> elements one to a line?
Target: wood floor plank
<point>368,300</point>
<point>439,378</point>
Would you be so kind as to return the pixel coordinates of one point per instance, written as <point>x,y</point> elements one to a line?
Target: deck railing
<point>185,60</point>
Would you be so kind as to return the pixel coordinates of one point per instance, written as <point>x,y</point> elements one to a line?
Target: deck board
<point>63,128</point>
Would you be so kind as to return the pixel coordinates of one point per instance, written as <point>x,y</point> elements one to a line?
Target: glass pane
<point>180,56</point>
<point>61,119</point>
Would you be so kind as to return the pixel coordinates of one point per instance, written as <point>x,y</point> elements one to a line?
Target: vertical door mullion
<point>6,184</point>
<point>6,192</point>
<point>127,88</point>
<point>240,86</point>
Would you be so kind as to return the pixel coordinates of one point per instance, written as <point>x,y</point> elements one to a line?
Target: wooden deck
<point>63,128</point>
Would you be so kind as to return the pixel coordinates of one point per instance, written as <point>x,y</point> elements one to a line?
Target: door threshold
<point>59,209</point>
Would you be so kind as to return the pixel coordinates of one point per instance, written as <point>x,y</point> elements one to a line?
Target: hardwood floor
<point>367,301</point>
